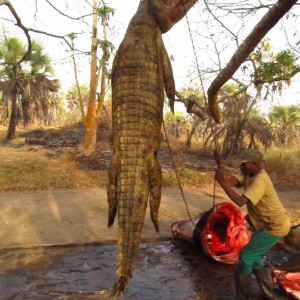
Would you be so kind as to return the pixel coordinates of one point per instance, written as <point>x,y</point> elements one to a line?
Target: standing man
<point>266,214</point>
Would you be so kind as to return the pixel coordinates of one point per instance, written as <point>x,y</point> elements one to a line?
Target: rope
<point>196,59</point>
<point>177,178</point>
<point>216,146</point>
<point>214,137</point>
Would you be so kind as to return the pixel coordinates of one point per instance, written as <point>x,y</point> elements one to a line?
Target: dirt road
<point>80,216</point>
<point>67,216</point>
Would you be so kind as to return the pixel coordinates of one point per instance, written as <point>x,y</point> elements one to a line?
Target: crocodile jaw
<point>169,12</point>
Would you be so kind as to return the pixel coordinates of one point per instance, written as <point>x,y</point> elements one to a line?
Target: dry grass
<point>284,159</point>
<point>30,168</point>
<point>33,168</point>
<point>2,134</point>
<point>179,144</point>
<point>283,166</point>
<point>187,178</point>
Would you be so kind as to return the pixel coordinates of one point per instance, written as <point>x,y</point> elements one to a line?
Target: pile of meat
<point>221,232</point>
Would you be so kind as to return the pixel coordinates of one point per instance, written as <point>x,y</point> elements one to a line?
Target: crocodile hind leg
<point>155,179</point>
<point>111,191</point>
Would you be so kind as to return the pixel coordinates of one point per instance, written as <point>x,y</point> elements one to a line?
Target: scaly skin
<point>141,73</point>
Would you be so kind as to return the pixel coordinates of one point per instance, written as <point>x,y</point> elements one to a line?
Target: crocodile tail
<point>119,287</point>
<point>113,293</point>
<point>131,214</point>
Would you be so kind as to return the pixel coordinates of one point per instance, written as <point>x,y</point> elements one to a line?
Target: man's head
<point>250,161</point>
<point>252,155</point>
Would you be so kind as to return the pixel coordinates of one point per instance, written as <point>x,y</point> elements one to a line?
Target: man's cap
<point>251,155</point>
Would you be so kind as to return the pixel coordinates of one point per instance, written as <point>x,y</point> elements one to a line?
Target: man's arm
<point>227,182</point>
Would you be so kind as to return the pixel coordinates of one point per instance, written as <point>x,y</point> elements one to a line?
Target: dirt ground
<point>80,216</point>
<point>55,245</point>
<point>166,270</point>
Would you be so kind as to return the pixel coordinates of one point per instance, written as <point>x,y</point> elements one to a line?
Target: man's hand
<point>221,177</point>
<point>225,179</point>
<point>227,182</point>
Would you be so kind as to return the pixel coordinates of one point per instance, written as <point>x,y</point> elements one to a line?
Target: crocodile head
<point>169,12</point>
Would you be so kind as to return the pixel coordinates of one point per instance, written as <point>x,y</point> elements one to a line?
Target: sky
<point>177,41</point>
<point>46,19</point>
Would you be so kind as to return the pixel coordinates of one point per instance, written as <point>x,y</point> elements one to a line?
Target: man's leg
<point>250,258</point>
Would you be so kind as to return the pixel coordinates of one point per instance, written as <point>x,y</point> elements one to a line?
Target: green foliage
<point>285,114</point>
<point>272,66</point>
<point>72,36</point>
<point>38,61</point>
<point>11,50</point>
<point>105,44</point>
<point>59,101</point>
<point>72,91</point>
<point>106,11</point>
<point>73,103</point>
<point>26,78</point>
<point>191,91</point>
<point>177,116</point>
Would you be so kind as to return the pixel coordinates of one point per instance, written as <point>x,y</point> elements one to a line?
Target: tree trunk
<point>77,83</point>
<point>192,132</point>
<point>11,132</point>
<point>104,60</point>
<point>26,112</point>
<point>4,109</point>
<point>90,125</point>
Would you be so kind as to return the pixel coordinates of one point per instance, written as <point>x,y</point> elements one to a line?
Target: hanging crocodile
<point>141,74</point>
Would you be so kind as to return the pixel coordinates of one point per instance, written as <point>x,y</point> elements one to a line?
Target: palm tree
<point>245,127</point>
<point>24,79</point>
<point>236,113</point>
<point>257,130</point>
<point>284,117</point>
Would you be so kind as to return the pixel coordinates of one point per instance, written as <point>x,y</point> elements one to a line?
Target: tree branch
<point>19,24</point>
<point>64,37</point>
<point>65,15</point>
<point>233,94</point>
<point>279,78</point>
<point>192,105</point>
<point>221,23</point>
<point>268,21</point>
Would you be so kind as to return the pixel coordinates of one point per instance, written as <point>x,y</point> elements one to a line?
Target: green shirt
<point>265,210</point>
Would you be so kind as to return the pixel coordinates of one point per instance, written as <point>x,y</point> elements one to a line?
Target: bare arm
<point>227,182</point>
